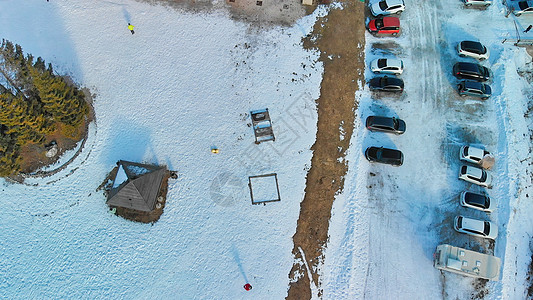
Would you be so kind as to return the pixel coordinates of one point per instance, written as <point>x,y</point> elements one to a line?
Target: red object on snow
<point>247,286</point>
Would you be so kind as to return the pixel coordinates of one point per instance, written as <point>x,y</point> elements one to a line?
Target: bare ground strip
<point>340,38</point>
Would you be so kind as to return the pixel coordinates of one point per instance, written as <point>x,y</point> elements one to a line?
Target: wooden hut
<point>136,186</point>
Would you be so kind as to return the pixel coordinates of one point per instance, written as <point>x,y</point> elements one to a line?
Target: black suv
<point>386,84</point>
<point>384,156</point>
<point>385,124</point>
<point>465,70</point>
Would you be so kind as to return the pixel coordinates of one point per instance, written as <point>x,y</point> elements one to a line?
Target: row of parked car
<point>383,25</point>
<point>473,76</point>
<point>477,175</point>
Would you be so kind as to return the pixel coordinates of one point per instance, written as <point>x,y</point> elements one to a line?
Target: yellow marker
<point>214,150</point>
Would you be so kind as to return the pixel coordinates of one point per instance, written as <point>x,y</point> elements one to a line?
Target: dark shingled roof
<point>139,187</point>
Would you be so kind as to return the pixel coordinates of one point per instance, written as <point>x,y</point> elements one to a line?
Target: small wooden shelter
<point>136,186</point>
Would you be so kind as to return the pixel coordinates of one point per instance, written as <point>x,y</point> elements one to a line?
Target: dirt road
<point>340,38</point>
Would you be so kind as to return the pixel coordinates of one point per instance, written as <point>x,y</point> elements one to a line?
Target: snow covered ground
<point>184,82</point>
<point>388,222</point>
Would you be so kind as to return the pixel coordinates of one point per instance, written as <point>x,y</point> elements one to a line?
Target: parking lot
<point>396,216</point>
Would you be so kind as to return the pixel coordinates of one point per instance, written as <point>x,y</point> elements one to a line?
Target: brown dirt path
<point>340,38</point>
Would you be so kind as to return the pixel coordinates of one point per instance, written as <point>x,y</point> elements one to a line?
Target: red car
<point>385,25</point>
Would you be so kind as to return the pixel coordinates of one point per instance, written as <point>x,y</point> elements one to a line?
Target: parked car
<point>473,49</point>
<point>476,201</point>
<point>484,229</point>
<point>387,7</point>
<point>387,66</point>
<point>521,7</point>
<point>482,3</point>
<point>472,155</point>
<point>385,25</point>
<point>474,88</point>
<point>386,84</point>
<point>384,156</point>
<point>385,124</point>
<point>465,70</point>
<point>476,176</point>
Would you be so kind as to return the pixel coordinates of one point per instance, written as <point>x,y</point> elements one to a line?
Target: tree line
<point>33,103</point>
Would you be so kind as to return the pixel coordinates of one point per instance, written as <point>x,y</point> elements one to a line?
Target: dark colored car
<point>384,156</point>
<point>385,124</point>
<point>474,88</point>
<point>385,25</point>
<point>466,70</point>
<point>386,84</point>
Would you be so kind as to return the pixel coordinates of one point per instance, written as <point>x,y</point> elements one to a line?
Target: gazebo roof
<point>136,186</point>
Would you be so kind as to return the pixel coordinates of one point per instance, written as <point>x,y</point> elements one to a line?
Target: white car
<point>476,176</point>
<point>484,3</point>
<point>484,229</point>
<point>472,154</point>
<point>476,201</point>
<point>387,66</point>
<point>473,49</point>
<point>387,7</point>
<point>521,7</point>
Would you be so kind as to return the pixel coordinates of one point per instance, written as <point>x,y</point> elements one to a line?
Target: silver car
<point>473,49</point>
<point>472,155</point>
<point>476,201</point>
<point>387,7</point>
<point>482,3</point>
<point>476,176</point>
<point>484,229</point>
<point>387,66</point>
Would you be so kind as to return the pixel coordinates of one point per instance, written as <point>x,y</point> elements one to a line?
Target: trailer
<point>467,262</point>
<point>262,126</point>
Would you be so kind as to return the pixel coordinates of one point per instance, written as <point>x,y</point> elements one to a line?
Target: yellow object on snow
<point>214,150</point>
<point>130,27</point>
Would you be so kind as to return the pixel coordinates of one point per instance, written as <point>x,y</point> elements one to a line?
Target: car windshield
<point>486,228</point>
<point>460,222</point>
<point>383,5</point>
<point>476,200</point>
<point>463,170</point>
<point>379,23</point>
<point>382,63</point>
<point>465,151</point>
<point>523,5</point>
<point>395,123</point>
<point>483,177</point>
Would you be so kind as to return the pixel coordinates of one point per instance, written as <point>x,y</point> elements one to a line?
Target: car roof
<point>383,121</point>
<point>468,66</point>
<point>394,2</point>
<point>394,81</point>
<point>474,198</point>
<point>471,45</point>
<point>476,152</point>
<point>473,171</point>
<point>473,224</point>
<point>394,62</point>
<point>474,85</point>
<point>391,21</point>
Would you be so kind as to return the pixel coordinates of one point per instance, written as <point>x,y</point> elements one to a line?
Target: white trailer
<point>467,262</point>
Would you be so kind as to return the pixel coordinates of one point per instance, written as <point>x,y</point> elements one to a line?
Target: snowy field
<point>183,83</point>
<point>386,225</point>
